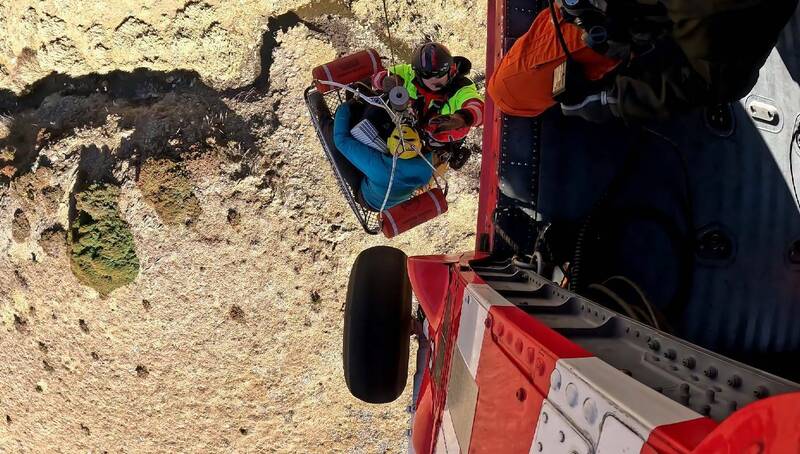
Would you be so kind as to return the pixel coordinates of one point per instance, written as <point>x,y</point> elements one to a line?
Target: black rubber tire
<point>377,325</point>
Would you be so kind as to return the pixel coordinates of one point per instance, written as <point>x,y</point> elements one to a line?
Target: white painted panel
<point>487,296</point>
<point>649,406</point>
<point>441,444</point>
<point>616,438</point>
<point>556,435</point>
<point>447,443</point>
<point>470,332</point>
<point>591,389</point>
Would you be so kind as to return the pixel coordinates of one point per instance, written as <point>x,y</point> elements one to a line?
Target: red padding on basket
<point>413,212</point>
<point>348,69</point>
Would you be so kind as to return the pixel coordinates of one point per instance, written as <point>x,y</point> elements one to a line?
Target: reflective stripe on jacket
<point>466,97</point>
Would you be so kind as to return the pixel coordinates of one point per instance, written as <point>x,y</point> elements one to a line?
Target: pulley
<point>399,98</point>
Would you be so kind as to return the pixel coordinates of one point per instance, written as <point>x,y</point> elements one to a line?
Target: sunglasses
<point>435,75</point>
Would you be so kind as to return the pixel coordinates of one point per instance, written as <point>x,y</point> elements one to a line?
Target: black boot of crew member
<point>459,155</point>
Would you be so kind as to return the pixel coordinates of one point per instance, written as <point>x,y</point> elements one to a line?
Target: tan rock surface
<point>229,338</point>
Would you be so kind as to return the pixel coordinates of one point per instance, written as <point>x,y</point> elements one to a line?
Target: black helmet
<point>432,60</point>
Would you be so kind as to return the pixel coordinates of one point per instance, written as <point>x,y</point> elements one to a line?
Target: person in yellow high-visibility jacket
<point>447,102</point>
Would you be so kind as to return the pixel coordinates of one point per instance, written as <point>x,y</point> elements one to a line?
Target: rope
<point>435,174</point>
<point>369,100</point>
<point>391,181</point>
<point>388,30</point>
<point>397,124</point>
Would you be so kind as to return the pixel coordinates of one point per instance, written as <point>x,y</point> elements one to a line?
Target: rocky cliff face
<point>174,248</point>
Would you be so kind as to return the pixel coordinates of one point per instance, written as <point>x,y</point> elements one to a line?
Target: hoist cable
<point>388,31</point>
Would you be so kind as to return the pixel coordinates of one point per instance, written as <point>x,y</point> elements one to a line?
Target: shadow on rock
<point>160,113</point>
<point>116,128</point>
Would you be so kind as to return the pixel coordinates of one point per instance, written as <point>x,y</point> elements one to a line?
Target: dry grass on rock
<point>165,185</point>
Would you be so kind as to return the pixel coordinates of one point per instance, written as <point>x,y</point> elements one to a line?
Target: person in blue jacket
<point>411,171</point>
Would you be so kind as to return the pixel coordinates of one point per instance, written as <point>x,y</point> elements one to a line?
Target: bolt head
<point>760,392</point>
<point>572,394</point>
<point>555,380</point>
<point>589,411</point>
<point>734,381</point>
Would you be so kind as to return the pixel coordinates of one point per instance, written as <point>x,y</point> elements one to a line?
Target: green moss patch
<point>167,188</point>
<point>102,252</point>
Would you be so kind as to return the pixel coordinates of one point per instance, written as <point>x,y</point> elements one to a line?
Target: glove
<point>596,108</point>
<point>443,123</point>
